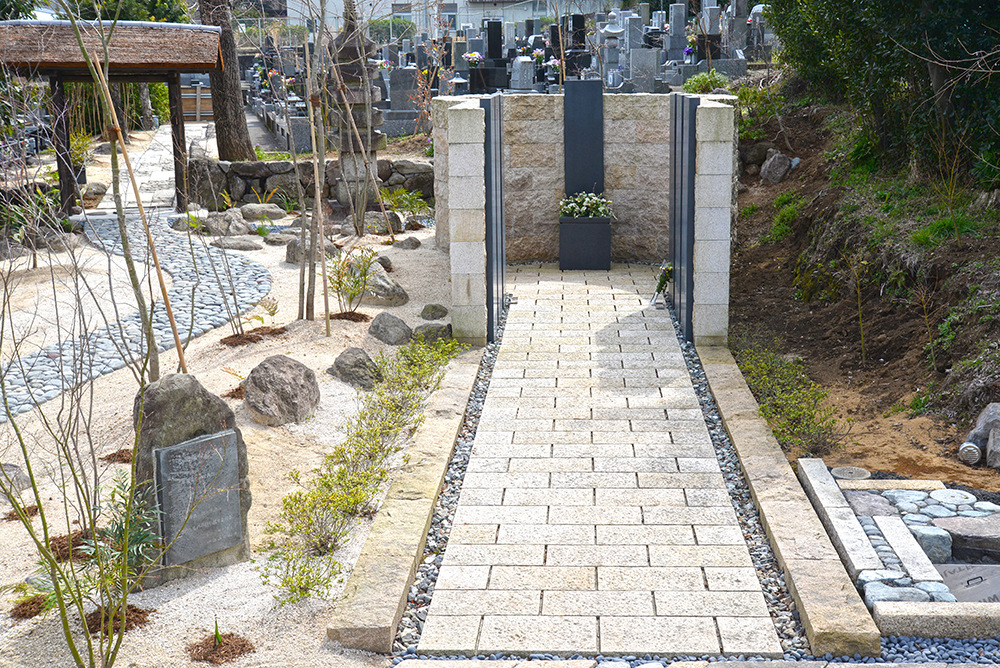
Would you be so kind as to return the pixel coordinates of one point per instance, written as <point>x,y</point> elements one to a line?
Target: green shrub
<point>317,517</point>
<point>749,210</point>
<point>788,205</point>
<point>789,401</point>
<point>944,228</point>
<point>756,107</point>
<point>705,82</point>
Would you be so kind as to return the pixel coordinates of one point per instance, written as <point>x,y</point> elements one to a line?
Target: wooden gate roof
<point>135,48</point>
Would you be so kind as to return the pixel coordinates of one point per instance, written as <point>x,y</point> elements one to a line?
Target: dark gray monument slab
<point>198,494</point>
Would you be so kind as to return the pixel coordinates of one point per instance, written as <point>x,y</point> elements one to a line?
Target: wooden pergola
<point>136,52</point>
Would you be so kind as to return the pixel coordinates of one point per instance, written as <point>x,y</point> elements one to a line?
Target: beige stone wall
<point>636,156</point>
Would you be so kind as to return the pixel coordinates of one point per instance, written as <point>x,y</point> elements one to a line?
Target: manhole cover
<point>850,473</point>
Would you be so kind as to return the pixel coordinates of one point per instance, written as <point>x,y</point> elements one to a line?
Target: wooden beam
<point>67,180</point>
<point>180,146</point>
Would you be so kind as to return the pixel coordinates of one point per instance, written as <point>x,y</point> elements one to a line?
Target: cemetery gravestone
<point>522,73</point>
<point>645,64</point>
<point>403,88</point>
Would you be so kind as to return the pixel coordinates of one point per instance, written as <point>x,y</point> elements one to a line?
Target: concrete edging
<point>370,609</point>
<point>835,618</point>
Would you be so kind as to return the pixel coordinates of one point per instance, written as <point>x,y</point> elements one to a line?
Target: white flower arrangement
<point>586,205</point>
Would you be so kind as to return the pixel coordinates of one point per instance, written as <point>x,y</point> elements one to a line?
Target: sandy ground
<point>289,636</point>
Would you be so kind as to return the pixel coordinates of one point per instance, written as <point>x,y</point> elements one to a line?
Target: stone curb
<point>835,618</point>
<point>369,611</point>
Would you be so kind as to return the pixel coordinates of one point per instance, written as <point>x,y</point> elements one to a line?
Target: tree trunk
<point>116,99</point>
<point>231,134</point>
<point>147,106</point>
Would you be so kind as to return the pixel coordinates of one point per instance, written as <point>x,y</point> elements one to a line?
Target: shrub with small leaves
<point>586,205</point>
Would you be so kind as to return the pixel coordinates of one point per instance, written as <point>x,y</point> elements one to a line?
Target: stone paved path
<point>594,517</point>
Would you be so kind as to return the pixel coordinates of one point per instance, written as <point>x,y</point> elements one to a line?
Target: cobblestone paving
<point>594,517</point>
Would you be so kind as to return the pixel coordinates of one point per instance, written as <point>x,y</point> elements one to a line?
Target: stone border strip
<point>938,620</point>
<point>841,523</point>
<point>834,616</point>
<point>883,485</point>
<point>503,663</point>
<point>369,611</point>
<point>902,542</point>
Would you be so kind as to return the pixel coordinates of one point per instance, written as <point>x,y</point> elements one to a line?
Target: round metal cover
<point>850,473</point>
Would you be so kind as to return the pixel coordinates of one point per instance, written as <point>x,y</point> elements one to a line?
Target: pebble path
<point>210,287</point>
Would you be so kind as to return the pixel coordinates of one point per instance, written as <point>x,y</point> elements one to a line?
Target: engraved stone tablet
<point>197,484</point>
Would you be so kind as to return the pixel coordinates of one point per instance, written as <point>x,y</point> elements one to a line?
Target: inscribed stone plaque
<point>198,492</point>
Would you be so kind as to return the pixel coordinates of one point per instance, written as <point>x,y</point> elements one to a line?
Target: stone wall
<point>252,182</point>
<point>636,178</point>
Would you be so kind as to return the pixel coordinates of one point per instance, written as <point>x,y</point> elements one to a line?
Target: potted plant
<point>585,232</point>
<point>79,155</point>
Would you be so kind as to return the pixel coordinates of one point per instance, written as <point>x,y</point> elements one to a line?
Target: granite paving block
<point>548,497</point>
<point>596,555</point>
<point>569,578</point>
<point>450,634</point>
<point>501,554</point>
<point>595,515</point>
<point>624,578</point>
<point>645,535</point>
<point>915,560</point>
<point>543,534</point>
<point>749,636</point>
<point>703,555</point>
<point>456,602</point>
<point>598,603</point>
<point>721,578</point>
<point>533,635</point>
<point>710,603</point>
<point>664,636</point>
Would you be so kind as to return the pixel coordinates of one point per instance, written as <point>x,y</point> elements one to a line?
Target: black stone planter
<point>584,243</point>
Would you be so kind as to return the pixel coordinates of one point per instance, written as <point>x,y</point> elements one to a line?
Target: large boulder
<point>433,312</point>
<point>280,390</point>
<point>225,223</point>
<point>973,537</point>
<point>294,252</point>
<point>412,167</point>
<point>383,290</point>
<point>172,410</point>
<point>988,421</point>
<point>387,328</point>
<point>13,478</point>
<point>755,154</point>
<point>934,541</point>
<point>775,168</point>
<point>230,243</point>
<point>432,331</point>
<point>285,184</point>
<point>355,367</point>
<point>261,211</point>
<point>409,243</point>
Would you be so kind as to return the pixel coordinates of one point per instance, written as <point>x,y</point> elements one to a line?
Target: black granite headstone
<point>583,108</point>
<point>198,494</point>
<point>554,37</point>
<point>494,39</point>
<point>529,28</point>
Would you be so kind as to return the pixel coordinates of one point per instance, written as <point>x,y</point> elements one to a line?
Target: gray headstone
<point>403,88</point>
<point>712,20</point>
<point>199,497</point>
<point>458,50</point>
<point>522,73</point>
<point>633,32</point>
<point>645,63</point>
<point>678,11</point>
<point>477,44</point>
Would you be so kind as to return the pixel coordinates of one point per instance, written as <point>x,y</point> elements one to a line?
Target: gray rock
<point>943,597</point>
<point>955,496</point>
<point>431,332</point>
<point>282,185</point>
<point>278,239</point>
<point>409,243</point>
<point>294,251</point>
<point>355,367</point>
<point>385,262</point>
<point>869,505</point>
<point>96,189</point>
<point>907,507</point>
<point>225,223</point>
<point>231,243</point>
<point>887,575</point>
<point>977,534</point>
<point>261,211</point>
<point>901,495</point>
<point>422,183</point>
<point>775,168</point>
<point>172,410</point>
<point>58,242</point>
<point>12,477</point>
<point>433,312</point>
<point>387,328</point>
<point>205,181</point>
<point>383,290</point>
<point>412,167</point>
<point>755,154</point>
<point>280,390</point>
<point>934,541</point>
<point>879,591</point>
<point>375,222</point>
<point>384,168</point>
<point>973,513</point>
<point>931,587</point>
<point>916,518</point>
<point>280,166</point>
<point>937,511</point>
<point>254,169</point>
<point>986,507</point>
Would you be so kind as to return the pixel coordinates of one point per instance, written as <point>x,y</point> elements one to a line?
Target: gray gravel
<point>202,298</point>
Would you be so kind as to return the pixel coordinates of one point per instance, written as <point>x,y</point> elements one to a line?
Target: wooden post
<point>67,180</point>
<point>180,147</point>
